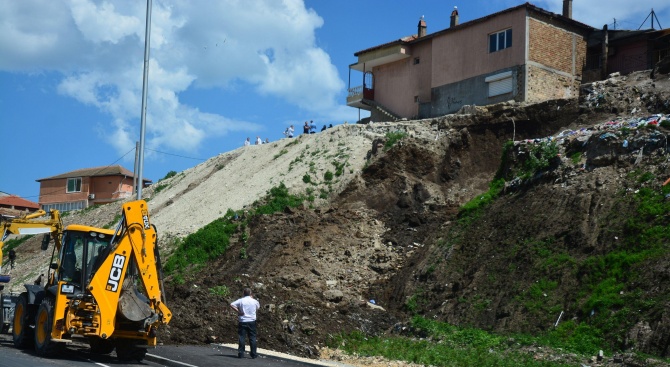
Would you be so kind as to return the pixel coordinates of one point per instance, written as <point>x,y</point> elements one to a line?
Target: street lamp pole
<point>145,83</point>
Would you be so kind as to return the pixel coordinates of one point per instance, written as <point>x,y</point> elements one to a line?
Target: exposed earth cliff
<point>509,218</point>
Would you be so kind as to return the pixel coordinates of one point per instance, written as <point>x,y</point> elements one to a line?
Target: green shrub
<point>328,176</point>
<point>440,344</point>
<point>480,201</point>
<point>281,153</point>
<point>160,187</point>
<point>220,290</point>
<point>169,175</point>
<point>277,199</point>
<point>15,242</point>
<point>539,158</point>
<point>208,243</point>
<point>339,168</point>
<point>392,138</point>
<point>576,157</point>
<point>306,178</point>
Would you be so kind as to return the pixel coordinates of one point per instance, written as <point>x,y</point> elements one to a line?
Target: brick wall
<point>545,85</point>
<point>553,47</point>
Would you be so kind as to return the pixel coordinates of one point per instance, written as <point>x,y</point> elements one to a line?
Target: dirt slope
<point>387,229</point>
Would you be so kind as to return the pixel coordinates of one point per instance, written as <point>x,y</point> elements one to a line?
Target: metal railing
<point>355,91</point>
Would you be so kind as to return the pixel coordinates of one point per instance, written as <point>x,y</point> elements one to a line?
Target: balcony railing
<point>355,91</point>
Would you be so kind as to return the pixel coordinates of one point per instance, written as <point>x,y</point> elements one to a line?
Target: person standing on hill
<point>247,142</point>
<point>246,308</point>
<point>305,128</point>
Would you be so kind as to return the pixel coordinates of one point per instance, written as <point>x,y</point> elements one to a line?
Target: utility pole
<point>135,168</point>
<point>653,16</point>
<point>145,82</point>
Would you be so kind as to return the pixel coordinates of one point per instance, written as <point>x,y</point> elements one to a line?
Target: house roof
<point>414,38</point>
<point>115,170</point>
<point>618,36</point>
<point>13,200</point>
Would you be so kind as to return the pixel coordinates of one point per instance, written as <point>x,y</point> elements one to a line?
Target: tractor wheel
<point>44,346</point>
<point>128,350</point>
<point>22,332</point>
<point>100,346</point>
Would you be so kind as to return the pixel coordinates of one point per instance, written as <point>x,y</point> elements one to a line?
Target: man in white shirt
<point>246,308</point>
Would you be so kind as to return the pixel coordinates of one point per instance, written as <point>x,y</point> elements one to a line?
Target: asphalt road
<point>77,355</point>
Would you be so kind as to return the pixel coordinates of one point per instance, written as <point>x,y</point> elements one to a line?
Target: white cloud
<point>98,47</point>
<point>102,23</point>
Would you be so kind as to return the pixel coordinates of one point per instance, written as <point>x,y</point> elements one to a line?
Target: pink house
<point>523,53</point>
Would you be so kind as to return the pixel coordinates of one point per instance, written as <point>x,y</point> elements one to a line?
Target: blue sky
<point>220,71</point>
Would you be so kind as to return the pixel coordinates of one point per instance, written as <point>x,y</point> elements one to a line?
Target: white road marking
<point>171,360</point>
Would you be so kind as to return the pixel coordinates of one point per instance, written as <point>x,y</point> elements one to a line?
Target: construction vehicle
<point>104,286</point>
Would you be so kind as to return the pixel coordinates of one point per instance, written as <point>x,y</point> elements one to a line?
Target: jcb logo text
<point>115,273</point>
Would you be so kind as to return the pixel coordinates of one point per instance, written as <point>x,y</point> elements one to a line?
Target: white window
<point>500,40</point>
<point>74,184</point>
<point>500,83</point>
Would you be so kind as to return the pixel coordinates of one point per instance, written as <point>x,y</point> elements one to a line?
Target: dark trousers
<point>244,328</point>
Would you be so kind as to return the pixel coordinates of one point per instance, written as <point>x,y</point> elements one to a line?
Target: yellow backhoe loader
<point>103,285</point>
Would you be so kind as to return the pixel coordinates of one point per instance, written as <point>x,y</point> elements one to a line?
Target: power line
<point>177,155</point>
<point>111,164</point>
<point>94,173</point>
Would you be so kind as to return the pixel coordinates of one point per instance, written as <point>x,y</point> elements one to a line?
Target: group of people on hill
<point>259,141</point>
<point>308,128</point>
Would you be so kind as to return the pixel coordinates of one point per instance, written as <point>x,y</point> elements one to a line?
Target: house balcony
<point>357,95</point>
<point>369,59</point>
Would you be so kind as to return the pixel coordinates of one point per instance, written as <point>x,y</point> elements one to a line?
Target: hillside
<point>576,227</point>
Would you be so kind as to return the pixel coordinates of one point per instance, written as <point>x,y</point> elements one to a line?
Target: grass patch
<point>114,221</point>
<point>168,175</point>
<point>471,209</point>
<point>339,168</point>
<point>160,187</point>
<point>281,153</point>
<point>441,344</point>
<point>220,290</point>
<point>208,243</point>
<point>212,240</point>
<point>14,243</point>
<point>392,138</point>
<point>576,158</point>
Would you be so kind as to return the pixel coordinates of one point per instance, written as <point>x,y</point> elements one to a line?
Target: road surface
<point>77,355</point>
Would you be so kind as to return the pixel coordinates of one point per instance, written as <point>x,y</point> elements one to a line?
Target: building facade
<point>82,188</point>
<point>525,54</point>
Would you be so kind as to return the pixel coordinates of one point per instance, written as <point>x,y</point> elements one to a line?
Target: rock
<point>333,295</point>
<point>374,307</point>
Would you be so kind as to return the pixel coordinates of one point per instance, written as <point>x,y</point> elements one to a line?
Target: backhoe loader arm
<point>135,244</point>
<point>29,224</point>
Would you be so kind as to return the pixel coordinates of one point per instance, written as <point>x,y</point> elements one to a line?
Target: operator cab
<point>83,252</point>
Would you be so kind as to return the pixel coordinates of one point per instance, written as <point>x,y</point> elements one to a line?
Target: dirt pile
<point>387,227</point>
